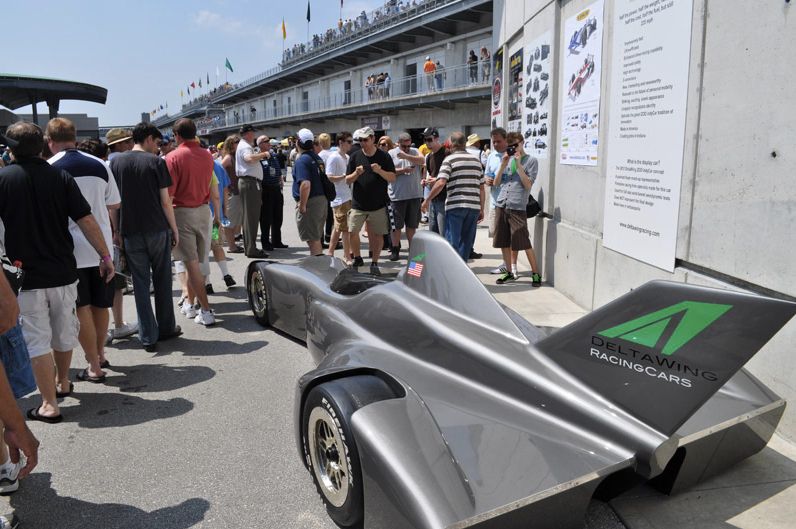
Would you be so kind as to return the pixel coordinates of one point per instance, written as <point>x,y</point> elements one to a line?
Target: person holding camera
<point>514,177</point>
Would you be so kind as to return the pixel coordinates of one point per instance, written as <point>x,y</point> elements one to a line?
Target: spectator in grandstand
<point>486,64</point>
<point>429,67</point>
<point>440,75</point>
<point>472,66</point>
<point>387,84</point>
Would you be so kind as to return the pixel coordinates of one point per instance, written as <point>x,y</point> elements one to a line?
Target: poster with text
<point>515,92</point>
<point>646,136</point>
<point>580,90</point>
<point>497,89</point>
<point>536,109</point>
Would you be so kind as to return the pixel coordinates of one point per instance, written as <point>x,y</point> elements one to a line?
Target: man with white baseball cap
<point>311,203</point>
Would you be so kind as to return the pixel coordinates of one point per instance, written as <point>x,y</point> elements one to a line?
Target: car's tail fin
<point>663,350</point>
<point>436,271</point>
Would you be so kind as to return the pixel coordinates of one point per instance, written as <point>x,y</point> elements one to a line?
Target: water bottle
<point>215,233</point>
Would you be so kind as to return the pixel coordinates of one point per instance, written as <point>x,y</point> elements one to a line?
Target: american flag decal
<point>415,269</point>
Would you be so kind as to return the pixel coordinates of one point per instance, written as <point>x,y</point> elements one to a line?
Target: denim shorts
<point>16,361</point>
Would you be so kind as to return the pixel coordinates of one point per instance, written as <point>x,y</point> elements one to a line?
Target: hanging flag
<point>218,72</point>
<point>208,78</point>
<point>182,94</point>
<point>193,85</point>
<point>284,29</point>
<point>229,66</point>
<point>200,82</point>
<point>189,90</point>
<point>341,4</point>
<point>308,10</point>
<point>161,107</point>
<point>167,104</point>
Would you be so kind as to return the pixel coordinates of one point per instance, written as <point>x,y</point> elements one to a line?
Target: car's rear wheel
<point>258,296</point>
<point>330,449</point>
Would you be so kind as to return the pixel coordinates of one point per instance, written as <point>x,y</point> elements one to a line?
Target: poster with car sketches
<point>536,109</point>
<point>515,92</point>
<point>580,89</point>
<point>497,88</point>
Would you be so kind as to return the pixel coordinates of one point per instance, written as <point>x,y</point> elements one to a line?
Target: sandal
<point>33,415</point>
<point>63,394</point>
<point>85,377</point>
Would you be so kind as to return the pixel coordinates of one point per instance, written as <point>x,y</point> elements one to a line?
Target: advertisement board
<point>536,111</point>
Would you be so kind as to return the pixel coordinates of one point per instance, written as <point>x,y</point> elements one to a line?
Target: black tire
<point>329,442</point>
<point>258,295</point>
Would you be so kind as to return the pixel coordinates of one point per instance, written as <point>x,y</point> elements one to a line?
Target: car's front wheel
<point>330,448</point>
<point>258,296</point>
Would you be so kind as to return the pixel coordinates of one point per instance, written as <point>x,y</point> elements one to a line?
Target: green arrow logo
<point>648,329</point>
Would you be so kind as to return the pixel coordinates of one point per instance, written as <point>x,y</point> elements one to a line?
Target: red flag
<point>193,85</point>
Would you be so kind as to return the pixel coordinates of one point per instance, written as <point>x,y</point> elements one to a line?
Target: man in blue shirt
<point>308,193</point>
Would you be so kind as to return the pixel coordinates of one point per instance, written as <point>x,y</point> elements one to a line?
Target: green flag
<point>229,66</point>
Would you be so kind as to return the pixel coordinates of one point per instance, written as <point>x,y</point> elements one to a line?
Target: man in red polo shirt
<point>191,169</point>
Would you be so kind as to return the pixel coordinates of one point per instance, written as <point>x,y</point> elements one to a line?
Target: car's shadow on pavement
<point>39,506</point>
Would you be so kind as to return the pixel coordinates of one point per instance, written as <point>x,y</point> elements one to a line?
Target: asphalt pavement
<point>196,435</point>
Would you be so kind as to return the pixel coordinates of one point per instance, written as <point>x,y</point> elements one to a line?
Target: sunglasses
<point>383,145</point>
<point>428,140</point>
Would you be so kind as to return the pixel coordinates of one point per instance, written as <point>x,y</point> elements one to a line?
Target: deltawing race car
<point>576,82</point>
<point>433,406</point>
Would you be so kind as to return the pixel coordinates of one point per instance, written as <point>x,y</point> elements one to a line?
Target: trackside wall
<point>737,208</point>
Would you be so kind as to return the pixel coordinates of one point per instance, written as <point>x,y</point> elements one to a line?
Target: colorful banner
<point>497,88</point>
<point>515,98</point>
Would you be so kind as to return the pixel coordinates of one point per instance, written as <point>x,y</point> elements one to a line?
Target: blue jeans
<point>149,256</point>
<point>460,226</point>
<point>436,216</point>
<point>16,362</point>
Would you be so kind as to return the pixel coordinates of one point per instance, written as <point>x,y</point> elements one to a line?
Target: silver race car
<point>433,406</point>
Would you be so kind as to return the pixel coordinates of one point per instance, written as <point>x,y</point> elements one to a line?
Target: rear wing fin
<point>661,351</point>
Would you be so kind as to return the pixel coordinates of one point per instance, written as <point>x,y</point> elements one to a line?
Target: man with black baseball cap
<point>250,178</point>
<point>437,153</point>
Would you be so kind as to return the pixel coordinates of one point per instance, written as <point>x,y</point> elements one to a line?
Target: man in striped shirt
<point>462,175</point>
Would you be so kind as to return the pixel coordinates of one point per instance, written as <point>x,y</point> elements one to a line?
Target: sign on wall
<point>649,89</point>
<point>497,88</point>
<point>580,89</point>
<point>536,109</point>
<point>515,92</point>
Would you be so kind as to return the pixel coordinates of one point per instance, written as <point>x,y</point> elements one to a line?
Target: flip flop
<point>85,377</point>
<point>33,415</point>
<point>62,394</point>
<point>105,364</point>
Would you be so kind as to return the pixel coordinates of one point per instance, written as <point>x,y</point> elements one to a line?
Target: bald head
<point>458,141</point>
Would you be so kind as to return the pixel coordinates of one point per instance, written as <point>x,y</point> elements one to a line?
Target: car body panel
<point>493,424</point>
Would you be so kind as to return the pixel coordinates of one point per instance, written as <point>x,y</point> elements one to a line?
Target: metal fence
<point>442,81</point>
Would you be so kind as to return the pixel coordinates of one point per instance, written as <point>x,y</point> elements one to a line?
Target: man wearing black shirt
<point>369,171</point>
<point>36,203</point>
<point>434,159</point>
<point>149,231</point>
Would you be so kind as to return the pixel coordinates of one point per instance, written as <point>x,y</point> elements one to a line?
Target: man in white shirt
<point>94,294</point>
<point>336,170</point>
<point>250,177</point>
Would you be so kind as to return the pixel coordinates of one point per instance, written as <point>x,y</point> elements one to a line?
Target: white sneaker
<point>206,317</point>
<point>127,329</point>
<point>188,310</point>
<point>8,521</point>
<point>499,270</point>
<point>8,477</point>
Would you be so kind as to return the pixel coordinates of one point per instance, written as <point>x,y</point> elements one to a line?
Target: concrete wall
<point>738,203</point>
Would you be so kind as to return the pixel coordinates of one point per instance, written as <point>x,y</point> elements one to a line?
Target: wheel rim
<point>257,290</point>
<point>329,456</point>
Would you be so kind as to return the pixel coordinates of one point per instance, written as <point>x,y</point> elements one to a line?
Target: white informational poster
<point>580,89</point>
<point>649,90</point>
<point>536,110</point>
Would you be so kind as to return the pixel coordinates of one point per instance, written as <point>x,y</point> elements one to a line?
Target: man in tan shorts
<point>341,205</point>
<point>191,169</point>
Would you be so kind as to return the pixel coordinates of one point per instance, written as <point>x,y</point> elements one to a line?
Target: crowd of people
<point>350,26</point>
<point>378,85</point>
<point>82,220</point>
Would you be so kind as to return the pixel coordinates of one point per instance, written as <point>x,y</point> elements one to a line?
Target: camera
<point>511,150</point>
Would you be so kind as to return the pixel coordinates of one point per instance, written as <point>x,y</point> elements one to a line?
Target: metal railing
<point>378,19</point>
<point>442,81</point>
